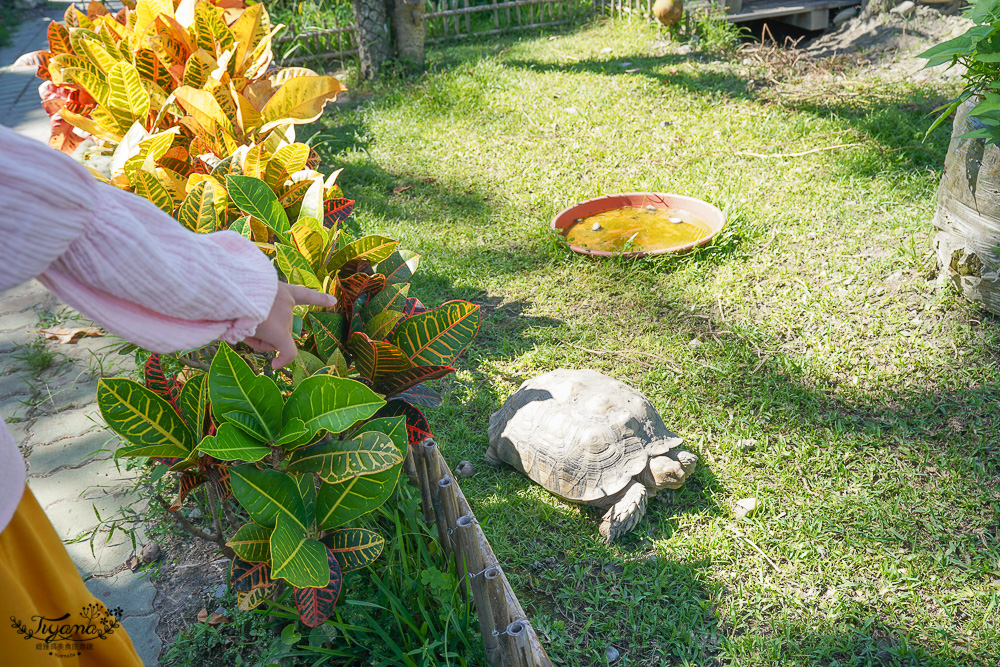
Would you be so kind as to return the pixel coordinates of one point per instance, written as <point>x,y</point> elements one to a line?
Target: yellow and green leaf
<point>295,266</point>
<point>327,403</point>
<point>145,420</point>
<point>297,558</point>
<point>248,30</point>
<point>337,504</point>
<point>355,548</point>
<point>268,494</point>
<point>197,212</point>
<point>252,543</point>
<point>286,161</point>
<point>299,100</point>
<point>148,185</point>
<point>231,443</point>
<point>338,460</point>
<point>438,336</point>
<point>372,248</point>
<point>96,86</point>
<point>194,402</point>
<point>94,50</point>
<point>127,100</point>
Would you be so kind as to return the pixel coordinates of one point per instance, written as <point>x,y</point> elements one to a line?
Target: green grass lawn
<point>835,382</point>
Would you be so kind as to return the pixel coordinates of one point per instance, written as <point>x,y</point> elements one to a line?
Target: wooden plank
<point>764,9</point>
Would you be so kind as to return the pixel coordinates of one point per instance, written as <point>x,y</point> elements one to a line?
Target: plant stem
<point>191,363</point>
<point>210,495</point>
<point>194,530</point>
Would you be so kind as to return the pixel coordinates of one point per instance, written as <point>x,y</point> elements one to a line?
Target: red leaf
<point>182,167</point>
<point>417,428</point>
<point>397,383</point>
<point>219,474</point>
<point>157,382</point>
<point>337,210</point>
<point>354,286</point>
<point>413,307</point>
<point>246,576</point>
<point>376,359</point>
<point>189,482</point>
<point>167,460</point>
<point>315,605</point>
<point>312,162</point>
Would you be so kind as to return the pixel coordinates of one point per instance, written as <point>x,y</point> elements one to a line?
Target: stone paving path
<point>53,413</point>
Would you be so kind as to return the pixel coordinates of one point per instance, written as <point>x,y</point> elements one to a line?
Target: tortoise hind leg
<point>625,513</point>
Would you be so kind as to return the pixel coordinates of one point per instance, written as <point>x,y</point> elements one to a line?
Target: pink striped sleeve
<point>120,260</point>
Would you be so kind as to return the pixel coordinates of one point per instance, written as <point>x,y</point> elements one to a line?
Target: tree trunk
<point>372,35</point>
<point>409,30</point>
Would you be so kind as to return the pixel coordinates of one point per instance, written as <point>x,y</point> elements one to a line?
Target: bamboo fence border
<point>508,638</point>
<point>446,19</point>
<point>324,36</point>
<point>440,11</point>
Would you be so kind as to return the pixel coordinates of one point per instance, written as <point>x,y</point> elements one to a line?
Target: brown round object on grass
<point>668,12</point>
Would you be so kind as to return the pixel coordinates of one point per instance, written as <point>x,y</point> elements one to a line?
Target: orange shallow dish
<point>710,215</point>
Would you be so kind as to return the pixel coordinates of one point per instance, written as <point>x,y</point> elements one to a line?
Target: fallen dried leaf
<point>66,335</point>
<point>132,563</point>
<point>215,620</point>
<point>401,188</point>
<point>203,615</point>
<point>428,180</point>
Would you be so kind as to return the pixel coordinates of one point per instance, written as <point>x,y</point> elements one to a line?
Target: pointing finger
<point>306,297</point>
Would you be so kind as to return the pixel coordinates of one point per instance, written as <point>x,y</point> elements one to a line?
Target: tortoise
<point>590,439</point>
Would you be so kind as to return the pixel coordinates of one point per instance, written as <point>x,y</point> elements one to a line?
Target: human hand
<point>274,334</point>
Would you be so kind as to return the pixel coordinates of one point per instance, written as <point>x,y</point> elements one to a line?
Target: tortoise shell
<point>580,434</point>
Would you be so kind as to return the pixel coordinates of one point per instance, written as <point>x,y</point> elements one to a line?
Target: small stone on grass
<point>745,507</point>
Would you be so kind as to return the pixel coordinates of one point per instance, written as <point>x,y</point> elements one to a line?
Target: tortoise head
<point>670,470</point>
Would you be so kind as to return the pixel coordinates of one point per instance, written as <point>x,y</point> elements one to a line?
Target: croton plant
<point>177,102</point>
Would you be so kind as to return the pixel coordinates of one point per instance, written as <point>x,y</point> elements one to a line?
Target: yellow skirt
<point>48,618</point>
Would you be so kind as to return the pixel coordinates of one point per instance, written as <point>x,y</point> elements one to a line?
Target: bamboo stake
<point>425,487</point>
<point>469,542</point>
<point>432,458</point>
<point>449,501</point>
<point>517,644</point>
<point>410,466</point>
<point>493,581</point>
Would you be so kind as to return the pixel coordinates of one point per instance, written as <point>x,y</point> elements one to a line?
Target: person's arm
<point>127,265</point>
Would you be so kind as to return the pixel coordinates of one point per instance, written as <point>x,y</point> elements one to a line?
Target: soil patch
<point>190,575</point>
<point>889,40</point>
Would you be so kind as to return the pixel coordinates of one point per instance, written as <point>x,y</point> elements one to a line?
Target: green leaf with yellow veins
<point>143,419</point>
<point>234,388</point>
<point>333,404</point>
<point>297,558</point>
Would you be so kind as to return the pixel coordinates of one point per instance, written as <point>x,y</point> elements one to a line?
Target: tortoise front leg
<point>625,513</point>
